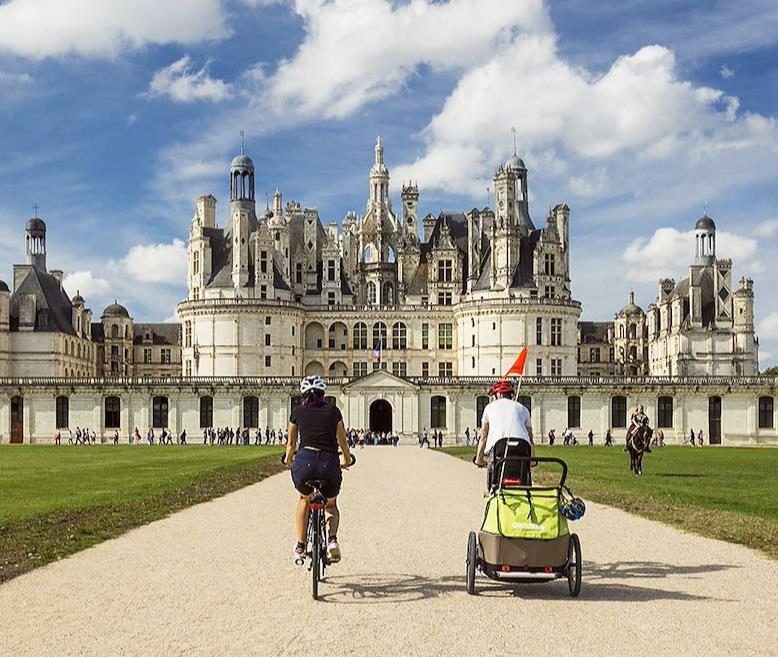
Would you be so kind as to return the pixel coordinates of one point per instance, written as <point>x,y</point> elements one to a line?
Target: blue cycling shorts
<point>309,464</point>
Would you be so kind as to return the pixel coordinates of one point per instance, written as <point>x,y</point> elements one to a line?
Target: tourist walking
<point>116,437</point>
<point>608,439</point>
<point>424,439</point>
<point>551,437</point>
<point>57,438</point>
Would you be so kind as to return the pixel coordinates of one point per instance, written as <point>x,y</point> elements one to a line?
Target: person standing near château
<point>608,439</point>
<point>57,438</point>
<point>700,438</point>
<point>116,437</point>
<point>467,435</point>
<point>591,437</point>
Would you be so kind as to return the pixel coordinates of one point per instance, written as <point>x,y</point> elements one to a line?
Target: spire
<point>379,151</point>
<point>242,140</point>
<point>35,208</point>
<point>513,130</point>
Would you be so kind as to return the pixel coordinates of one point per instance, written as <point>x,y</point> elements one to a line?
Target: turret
<point>206,211</point>
<point>704,241</point>
<point>35,243</point>
<point>429,226</point>
<point>242,215</point>
<point>410,201</point>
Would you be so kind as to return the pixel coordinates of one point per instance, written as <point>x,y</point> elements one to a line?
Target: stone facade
<point>281,294</point>
<point>730,410</point>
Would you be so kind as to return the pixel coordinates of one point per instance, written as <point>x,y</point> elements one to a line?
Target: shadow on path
<point>394,588</point>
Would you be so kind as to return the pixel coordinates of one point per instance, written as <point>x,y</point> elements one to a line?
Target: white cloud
<point>156,263</point>
<point>103,28</point>
<point>358,52</point>
<point>132,119</point>
<point>726,72</point>
<point>668,252</point>
<point>767,228</point>
<point>86,284</point>
<point>183,84</point>
<point>768,327</point>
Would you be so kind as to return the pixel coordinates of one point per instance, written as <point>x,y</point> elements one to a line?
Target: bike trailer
<point>524,527</point>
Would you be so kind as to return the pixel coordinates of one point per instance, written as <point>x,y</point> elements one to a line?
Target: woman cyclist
<point>320,430</point>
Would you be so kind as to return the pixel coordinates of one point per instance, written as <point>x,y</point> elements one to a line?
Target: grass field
<point>730,494</point>
<point>55,501</point>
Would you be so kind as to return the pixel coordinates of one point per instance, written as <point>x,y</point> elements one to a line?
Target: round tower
<point>35,243</point>
<point>704,241</point>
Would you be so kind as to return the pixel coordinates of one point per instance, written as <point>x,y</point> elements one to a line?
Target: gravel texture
<point>218,579</point>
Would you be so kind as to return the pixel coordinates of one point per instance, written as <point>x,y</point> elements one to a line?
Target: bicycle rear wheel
<point>316,555</point>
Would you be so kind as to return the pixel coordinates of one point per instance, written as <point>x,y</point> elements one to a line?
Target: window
<point>525,401</point>
<point>63,411</point>
<point>360,335</point>
<point>263,291</point>
<point>112,412</point>
<point>147,357</point>
<point>196,263</point>
<point>388,298</point>
<point>165,355</point>
<point>438,412</point>
<point>399,336</point>
<point>250,412</point>
<point>360,369</point>
<point>574,411</point>
<point>298,273</point>
<point>549,266</point>
<point>446,370</point>
<point>445,336</point>
<point>400,369</point>
<point>538,367</point>
<point>766,413</point>
<point>269,320</point>
<point>188,368</point>
<point>371,294</point>
<point>539,330</point>
<point>330,270</point>
<point>330,298</point>
<point>556,367</point>
<point>665,413</point>
<point>267,339</point>
<point>263,262</point>
<point>159,409</point>
<point>480,405</point>
<point>444,298</point>
<point>550,292</point>
<point>379,335</point>
<point>206,412</point>
<point>619,412</point>
<point>114,351</point>
<point>594,354</point>
<point>425,370</point>
<point>556,332</point>
<point>268,361</point>
<point>187,334</point>
<point>445,271</point>
<point>425,336</point>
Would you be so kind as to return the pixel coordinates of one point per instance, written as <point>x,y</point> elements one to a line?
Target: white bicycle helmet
<point>314,382</point>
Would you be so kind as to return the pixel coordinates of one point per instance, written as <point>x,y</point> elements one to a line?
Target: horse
<point>636,446</point>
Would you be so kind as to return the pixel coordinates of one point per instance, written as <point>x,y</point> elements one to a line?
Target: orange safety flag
<point>517,369</point>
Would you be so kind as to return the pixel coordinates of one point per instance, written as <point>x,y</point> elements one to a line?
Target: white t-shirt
<point>506,419</point>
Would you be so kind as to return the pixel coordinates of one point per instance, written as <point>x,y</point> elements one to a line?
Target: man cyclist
<point>320,429</point>
<point>503,418</point>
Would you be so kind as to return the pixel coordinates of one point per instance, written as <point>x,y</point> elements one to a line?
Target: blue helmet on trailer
<point>573,509</point>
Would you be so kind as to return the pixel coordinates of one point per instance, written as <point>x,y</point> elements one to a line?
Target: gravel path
<point>217,579</point>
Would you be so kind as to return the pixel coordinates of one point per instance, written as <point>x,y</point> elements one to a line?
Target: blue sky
<point>116,114</point>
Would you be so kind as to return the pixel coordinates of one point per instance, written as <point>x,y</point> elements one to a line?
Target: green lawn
<point>730,494</point>
<point>55,501</point>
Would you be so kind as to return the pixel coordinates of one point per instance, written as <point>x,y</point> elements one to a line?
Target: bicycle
<point>316,536</point>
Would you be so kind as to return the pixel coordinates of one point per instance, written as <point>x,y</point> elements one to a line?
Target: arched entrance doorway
<point>381,416</point>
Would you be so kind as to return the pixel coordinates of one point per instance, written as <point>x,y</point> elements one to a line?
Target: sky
<point>640,115</point>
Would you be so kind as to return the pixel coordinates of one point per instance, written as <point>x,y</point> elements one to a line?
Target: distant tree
<point>770,371</point>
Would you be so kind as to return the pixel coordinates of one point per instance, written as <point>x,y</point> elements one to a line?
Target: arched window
<point>438,412</point>
<point>159,412</point>
<point>388,297</point>
<point>63,412</point>
<point>206,412</point>
<point>399,336</point>
<point>114,331</point>
<point>573,411</point>
<point>633,331</point>
<point>113,408</point>
<point>250,412</point>
<point>367,254</point>
<point>360,335</point>
<point>618,412</point>
<point>621,331</point>
<point>371,294</point>
<point>379,335</point>
<point>480,405</point>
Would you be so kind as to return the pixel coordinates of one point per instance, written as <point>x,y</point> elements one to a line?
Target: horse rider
<point>638,419</point>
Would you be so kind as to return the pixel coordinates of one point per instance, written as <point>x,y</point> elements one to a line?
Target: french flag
<point>377,350</point>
